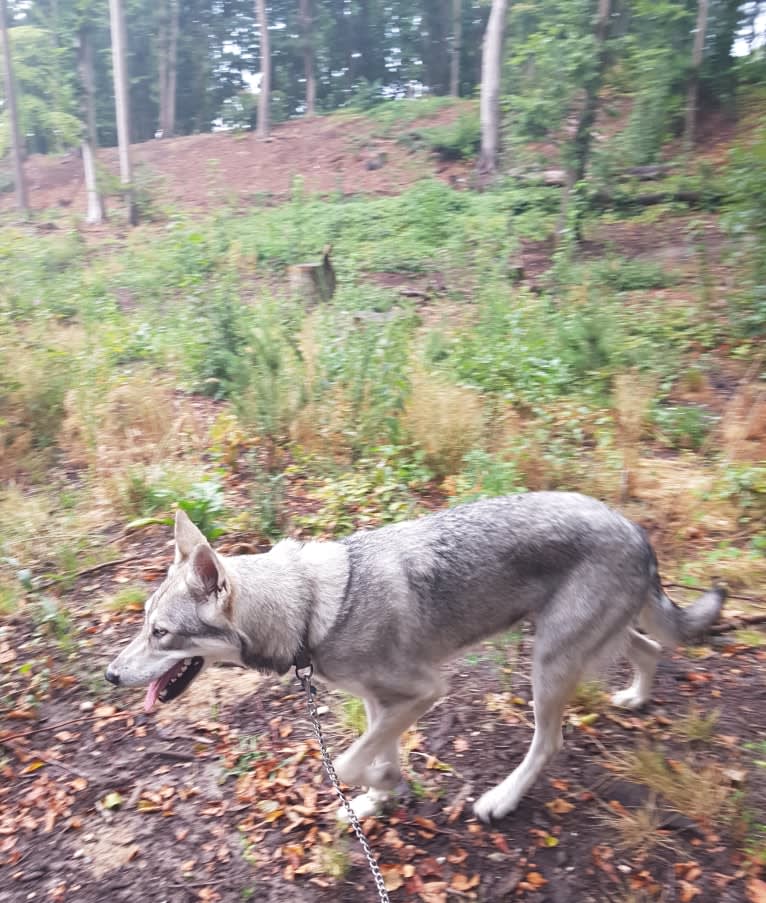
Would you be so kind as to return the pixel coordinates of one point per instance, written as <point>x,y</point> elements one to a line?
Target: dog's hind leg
<point>551,690</point>
<point>643,653</point>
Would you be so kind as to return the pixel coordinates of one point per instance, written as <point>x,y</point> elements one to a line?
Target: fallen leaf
<point>688,891</point>
<point>114,800</point>
<point>463,882</point>
<point>536,879</point>
<point>559,806</point>
<point>457,857</point>
<point>756,890</point>
<point>392,877</point>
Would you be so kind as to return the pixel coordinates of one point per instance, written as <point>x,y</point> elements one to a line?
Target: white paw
<point>365,805</point>
<point>495,803</point>
<point>628,699</point>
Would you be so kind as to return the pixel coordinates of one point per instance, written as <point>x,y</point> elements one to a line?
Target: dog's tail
<point>672,624</point>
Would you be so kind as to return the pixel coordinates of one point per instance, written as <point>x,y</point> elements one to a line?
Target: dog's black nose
<point>112,677</point>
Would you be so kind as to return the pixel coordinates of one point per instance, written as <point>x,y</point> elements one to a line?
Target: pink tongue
<point>151,695</point>
<point>157,686</point>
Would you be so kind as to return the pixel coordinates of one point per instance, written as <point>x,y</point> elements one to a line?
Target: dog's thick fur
<point>380,611</point>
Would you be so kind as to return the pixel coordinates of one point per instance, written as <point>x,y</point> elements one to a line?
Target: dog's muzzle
<point>112,677</point>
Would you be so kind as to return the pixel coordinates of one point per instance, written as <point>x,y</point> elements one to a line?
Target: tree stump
<point>313,282</point>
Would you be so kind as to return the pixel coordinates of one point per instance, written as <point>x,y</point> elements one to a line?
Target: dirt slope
<point>338,153</point>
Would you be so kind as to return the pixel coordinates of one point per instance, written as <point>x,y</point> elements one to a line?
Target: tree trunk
<point>162,67</point>
<point>95,210</point>
<point>122,104</point>
<point>173,65</point>
<point>457,46</point>
<point>694,75</point>
<point>17,148</point>
<point>167,64</point>
<point>489,102</point>
<point>88,80</point>
<point>264,122</point>
<point>584,132</point>
<point>306,18</point>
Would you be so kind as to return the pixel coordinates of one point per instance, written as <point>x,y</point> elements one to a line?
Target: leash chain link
<point>304,676</point>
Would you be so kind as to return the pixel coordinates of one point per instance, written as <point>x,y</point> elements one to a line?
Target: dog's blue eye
<point>158,632</point>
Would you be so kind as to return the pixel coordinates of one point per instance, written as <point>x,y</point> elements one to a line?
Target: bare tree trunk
<point>95,210</point>
<point>88,80</point>
<point>167,64</point>
<point>489,102</point>
<point>162,68</point>
<point>307,17</point>
<point>694,76</point>
<point>264,123</point>
<point>17,149</point>
<point>122,103</point>
<point>457,46</point>
<point>584,133</point>
<point>175,17</point>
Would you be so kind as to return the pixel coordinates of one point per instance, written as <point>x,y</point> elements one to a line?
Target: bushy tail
<point>671,625</point>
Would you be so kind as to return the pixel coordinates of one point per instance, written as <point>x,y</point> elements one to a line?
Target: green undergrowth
<point>113,350</point>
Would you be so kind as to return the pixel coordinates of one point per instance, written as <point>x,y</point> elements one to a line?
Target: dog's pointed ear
<point>188,537</point>
<point>207,568</point>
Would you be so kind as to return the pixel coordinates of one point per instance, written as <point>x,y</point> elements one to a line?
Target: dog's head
<point>187,623</point>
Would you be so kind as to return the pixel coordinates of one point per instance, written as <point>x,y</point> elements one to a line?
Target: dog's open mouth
<point>173,682</point>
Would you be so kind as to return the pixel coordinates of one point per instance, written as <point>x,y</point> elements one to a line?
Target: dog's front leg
<point>373,760</point>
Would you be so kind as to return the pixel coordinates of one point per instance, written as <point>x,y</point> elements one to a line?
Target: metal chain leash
<point>304,676</point>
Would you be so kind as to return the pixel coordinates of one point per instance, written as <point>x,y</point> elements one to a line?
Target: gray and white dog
<point>377,613</point>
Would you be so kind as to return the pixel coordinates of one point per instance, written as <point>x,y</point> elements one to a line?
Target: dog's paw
<point>495,803</point>
<point>365,805</point>
<point>628,699</point>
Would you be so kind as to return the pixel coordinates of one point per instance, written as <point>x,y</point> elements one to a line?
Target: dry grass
<point>696,726</point>
<point>633,394</point>
<point>321,427</point>
<point>36,531</point>
<point>135,425</point>
<point>743,427</point>
<point>700,791</point>
<point>444,420</point>
<point>639,830</point>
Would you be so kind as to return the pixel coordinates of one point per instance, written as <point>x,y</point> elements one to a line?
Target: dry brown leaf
<point>434,892</point>
<point>535,879</point>
<point>688,891</point>
<point>463,882</point>
<point>756,890</point>
<point>559,806</point>
<point>392,877</point>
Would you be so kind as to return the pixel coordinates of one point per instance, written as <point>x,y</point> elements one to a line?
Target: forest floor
<point>222,796</point>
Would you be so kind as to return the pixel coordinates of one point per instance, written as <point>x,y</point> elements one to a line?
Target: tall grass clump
<point>443,420</point>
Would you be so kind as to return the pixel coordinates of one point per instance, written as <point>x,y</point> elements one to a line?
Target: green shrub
<point>683,426</point>
<point>485,476</point>
<point>459,140</point>
<point>379,490</point>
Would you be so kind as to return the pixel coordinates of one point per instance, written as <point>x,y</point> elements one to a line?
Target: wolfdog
<point>378,612</point>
